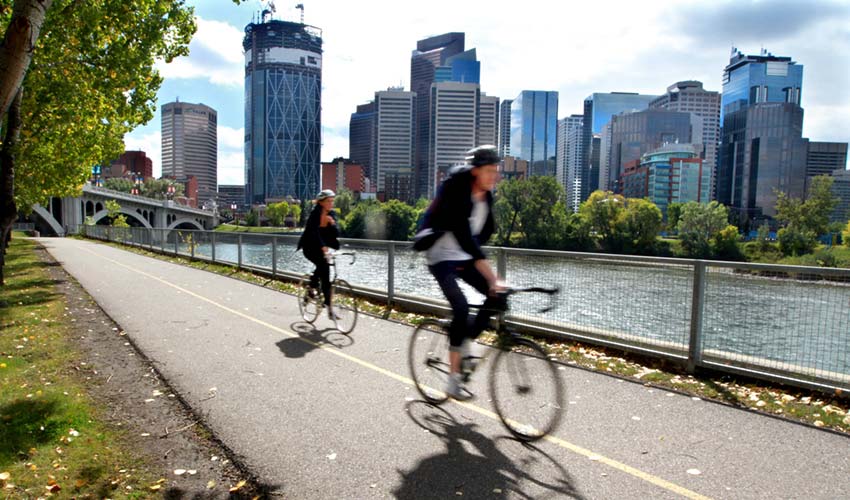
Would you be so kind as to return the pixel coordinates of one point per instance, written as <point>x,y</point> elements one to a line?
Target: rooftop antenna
<point>300,7</point>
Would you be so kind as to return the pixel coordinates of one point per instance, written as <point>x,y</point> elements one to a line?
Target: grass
<point>54,439</point>
<point>230,228</point>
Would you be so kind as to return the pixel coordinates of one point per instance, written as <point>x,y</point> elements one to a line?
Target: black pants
<point>322,273</point>
<point>447,273</point>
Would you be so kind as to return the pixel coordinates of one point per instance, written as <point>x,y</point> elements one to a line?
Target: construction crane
<point>269,10</point>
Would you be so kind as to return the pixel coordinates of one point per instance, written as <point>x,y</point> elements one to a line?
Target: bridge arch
<point>103,213</point>
<point>184,221</point>
<point>49,219</point>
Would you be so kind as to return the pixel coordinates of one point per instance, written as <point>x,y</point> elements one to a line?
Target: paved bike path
<point>322,415</point>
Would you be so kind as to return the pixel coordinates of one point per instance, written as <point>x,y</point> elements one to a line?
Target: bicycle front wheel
<point>428,358</point>
<point>344,305</point>
<point>309,300</point>
<point>527,390</point>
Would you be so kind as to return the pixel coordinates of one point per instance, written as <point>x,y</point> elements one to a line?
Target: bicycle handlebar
<point>551,292</point>
<point>333,255</point>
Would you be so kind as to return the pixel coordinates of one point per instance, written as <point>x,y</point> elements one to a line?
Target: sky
<point>575,48</point>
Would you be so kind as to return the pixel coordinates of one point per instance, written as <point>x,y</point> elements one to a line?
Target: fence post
<point>162,239</point>
<point>390,275</point>
<point>501,263</point>
<point>212,242</point>
<point>274,256</point>
<point>192,244</point>
<point>176,242</point>
<point>697,306</point>
<point>239,252</point>
<point>108,233</point>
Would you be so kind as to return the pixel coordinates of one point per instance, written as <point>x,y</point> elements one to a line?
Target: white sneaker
<point>471,353</point>
<point>455,388</point>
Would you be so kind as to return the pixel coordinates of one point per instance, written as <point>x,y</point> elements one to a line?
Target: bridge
<point>60,214</point>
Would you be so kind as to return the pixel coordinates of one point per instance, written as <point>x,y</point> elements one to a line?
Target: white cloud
<point>231,167</point>
<point>215,54</point>
<point>231,138</point>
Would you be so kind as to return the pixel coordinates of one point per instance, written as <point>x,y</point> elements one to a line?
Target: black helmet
<point>483,155</point>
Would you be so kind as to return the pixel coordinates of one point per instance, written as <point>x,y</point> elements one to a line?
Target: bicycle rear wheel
<point>309,304</point>
<point>527,390</point>
<point>344,306</point>
<point>428,358</point>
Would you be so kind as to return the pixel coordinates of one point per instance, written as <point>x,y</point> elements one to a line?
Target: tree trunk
<point>17,47</point>
<point>8,209</point>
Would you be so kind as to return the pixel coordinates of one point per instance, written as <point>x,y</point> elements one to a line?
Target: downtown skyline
<point>357,62</point>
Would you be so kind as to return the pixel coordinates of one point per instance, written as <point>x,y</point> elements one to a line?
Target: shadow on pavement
<point>475,466</point>
<point>310,338</point>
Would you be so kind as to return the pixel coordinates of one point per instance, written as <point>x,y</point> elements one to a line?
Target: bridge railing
<point>783,323</point>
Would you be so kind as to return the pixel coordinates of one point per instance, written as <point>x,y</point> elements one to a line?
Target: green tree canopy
<point>699,223</point>
<point>277,212</point>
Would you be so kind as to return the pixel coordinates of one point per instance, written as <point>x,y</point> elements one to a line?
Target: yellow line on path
<point>655,480</point>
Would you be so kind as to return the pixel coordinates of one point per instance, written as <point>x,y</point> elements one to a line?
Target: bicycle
<point>525,387</point>
<point>344,301</point>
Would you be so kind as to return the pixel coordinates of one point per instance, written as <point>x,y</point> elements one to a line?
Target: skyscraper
<point>671,173</point>
<point>361,131</point>
<point>568,159</point>
<point>190,145</point>
<point>283,102</point>
<point>749,80</point>
<point>762,152</point>
<point>453,128</point>
<point>824,158</point>
<point>534,125</point>
<point>430,54</point>
<point>395,112</point>
<point>634,134</point>
<point>762,147</point>
<point>598,110</point>
<point>505,128</point>
<point>488,120</point>
<point>690,97</point>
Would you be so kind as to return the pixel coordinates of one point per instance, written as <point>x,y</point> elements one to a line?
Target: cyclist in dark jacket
<point>458,222</point>
<point>319,236</point>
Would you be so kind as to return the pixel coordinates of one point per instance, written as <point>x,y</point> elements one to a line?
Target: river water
<point>783,321</point>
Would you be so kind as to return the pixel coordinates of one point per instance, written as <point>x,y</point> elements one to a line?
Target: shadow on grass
<point>25,425</point>
<point>259,491</point>
<point>22,299</point>
<point>35,283</point>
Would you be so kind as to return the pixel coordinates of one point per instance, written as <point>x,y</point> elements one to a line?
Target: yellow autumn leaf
<point>238,486</point>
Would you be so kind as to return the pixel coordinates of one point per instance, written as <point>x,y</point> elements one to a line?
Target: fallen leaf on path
<point>819,423</point>
<point>694,472</point>
<point>179,472</point>
<point>210,484</point>
<point>238,486</point>
<point>332,456</point>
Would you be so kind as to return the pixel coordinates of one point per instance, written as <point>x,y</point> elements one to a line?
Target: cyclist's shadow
<point>486,473</point>
<point>310,338</point>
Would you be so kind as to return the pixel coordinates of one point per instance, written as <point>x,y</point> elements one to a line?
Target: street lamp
<point>170,191</point>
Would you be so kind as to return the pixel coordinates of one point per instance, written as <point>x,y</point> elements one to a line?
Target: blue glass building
<point>598,110</point>
<point>283,82</point>
<point>534,126</point>
<point>461,68</point>
<point>749,80</point>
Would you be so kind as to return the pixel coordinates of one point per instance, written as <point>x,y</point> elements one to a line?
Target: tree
<point>252,218</point>
<point>366,220</point>
<point>845,235</point>
<point>543,215</point>
<point>277,212</point>
<point>804,221</point>
<point>343,202</point>
<point>295,213</point>
<point>699,223</point>
<point>119,184</point>
<point>674,212</point>
<point>400,220</point>
<point>116,218</point>
<point>158,188</point>
<point>92,78</point>
<point>510,194</point>
<point>603,210</point>
<point>642,220</point>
